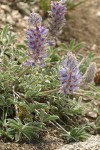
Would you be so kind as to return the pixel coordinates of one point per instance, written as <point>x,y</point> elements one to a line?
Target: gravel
<point>93,143</point>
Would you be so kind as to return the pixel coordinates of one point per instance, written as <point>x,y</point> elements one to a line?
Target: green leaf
<point>48,117</point>
<point>21,46</point>
<point>38,106</point>
<point>1,43</point>
<point>4,31</point>
<point>54,58</point>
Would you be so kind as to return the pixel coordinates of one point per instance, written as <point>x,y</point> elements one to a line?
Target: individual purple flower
<point>29,63</point>
<point>57,13</point>
<point>70,74</point>
<point>37,39</point>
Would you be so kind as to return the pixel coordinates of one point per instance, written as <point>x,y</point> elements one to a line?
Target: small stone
<point>86,99</point>
<point>58,43</point>
<point>6,8</point>
<point>2,15</point>
<point>98,14</point>
<point>26,18</point>
<point>22,24</point>
<point>92,143</point>
<point>86,120</point>
<point>96,103</point>
<point>94,47</point>
<point>97,77</point>
<point>35,9</point>
<point>5,2</point>
<point>16,15</point>
<point>92,115</point>
<point>10,20</point>
<point>24,8</point>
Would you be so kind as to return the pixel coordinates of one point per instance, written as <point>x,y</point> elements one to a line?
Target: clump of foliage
<point>38,85</point>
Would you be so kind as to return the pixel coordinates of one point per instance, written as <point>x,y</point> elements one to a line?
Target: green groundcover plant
<point>40,86</point>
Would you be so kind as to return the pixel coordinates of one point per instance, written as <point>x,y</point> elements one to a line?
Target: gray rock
<point>6,8</point>
<point>5,2</point>
<point>92,115</point>
<point>10,20</point>
<point>98,14</point>
<point>2,15</point>
<point>35,9</point>
<point>15,15</point>
<point>24,8</point>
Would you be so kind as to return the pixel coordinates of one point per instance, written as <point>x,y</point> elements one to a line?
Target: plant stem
<point>16,108</point>
<point>57,124</point>
<point>49,91</point>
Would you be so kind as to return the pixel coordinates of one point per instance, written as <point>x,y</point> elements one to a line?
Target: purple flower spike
<point>57,13</point>
<point>37,39</point>
<point>70,74</point>
<point>35,19</point>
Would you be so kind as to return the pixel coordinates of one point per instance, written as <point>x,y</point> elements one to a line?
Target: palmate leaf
<point>73,46</point>
<point>77,134</point>
<point>97,124</point>
<point>73,107</point>
<point>6,134</point>
<point>54,58</point>
<point>30,131</point>
<point>15,124</point>
<point>20,129</point>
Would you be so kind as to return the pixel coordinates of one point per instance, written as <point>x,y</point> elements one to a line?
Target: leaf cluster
<point>29,97</point>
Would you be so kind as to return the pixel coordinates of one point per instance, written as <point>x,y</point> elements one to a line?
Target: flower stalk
<point>57,14</point>
<point>70,75</point>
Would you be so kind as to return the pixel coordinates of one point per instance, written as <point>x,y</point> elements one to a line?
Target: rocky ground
<point>48,141</point>
<point>84,26</point>
<point>93,143</point>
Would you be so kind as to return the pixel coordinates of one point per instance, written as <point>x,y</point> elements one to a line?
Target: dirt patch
<point>84,25</point>
<point>48,140</point>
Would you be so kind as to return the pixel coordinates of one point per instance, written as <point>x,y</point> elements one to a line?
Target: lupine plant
<point>39,86</point>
